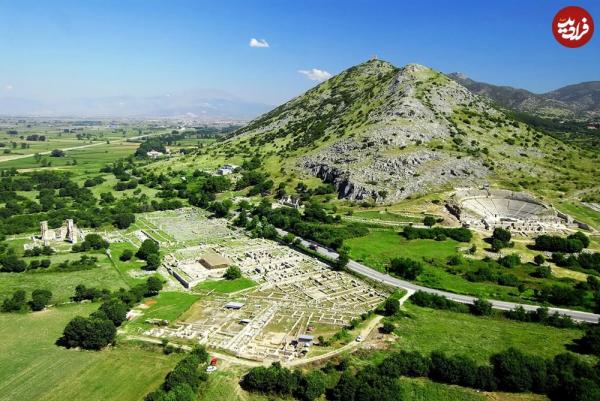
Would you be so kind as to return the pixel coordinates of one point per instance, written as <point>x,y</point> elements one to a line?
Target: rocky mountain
<point>579,100</point>
<point>381,133</point>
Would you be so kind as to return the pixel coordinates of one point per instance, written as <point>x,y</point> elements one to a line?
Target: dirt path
<point>364,333</point>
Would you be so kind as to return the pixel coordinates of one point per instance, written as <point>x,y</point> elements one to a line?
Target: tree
<point>152,262</point>
<point>391,306</point>
<point>16,303</point>
<point>39,299</point>
<point>343,259</point>
<point>510,261</point>
<point>232,273</point>
<point>57,153</point>
<point>406,268</point>
<point>90,333</point>
<point>539,260</point>
<point>429,221</point>
<point>387,327</point>
<point>154,285</point>
<point>114,310</point>
<point>11,263</point>
<point>123,220</point>
<point>126,255</point>
<point>511,370</point>
<point>220,209</point>
<point>542,272</point>
<point>404,363</point>
<point>481,307</point>
<point>311,386</point>
<point>590,342</point>
<point>148,247</point>
<point>501,234</point>
<point>95,241</point>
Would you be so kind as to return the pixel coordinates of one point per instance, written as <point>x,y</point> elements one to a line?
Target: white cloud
<point>315,74</point>
<point>8,88</point>
<point>258,43</point>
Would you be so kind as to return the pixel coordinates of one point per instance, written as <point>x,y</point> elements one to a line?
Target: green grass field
<point>387,216</point>
<point>166,305</point>
<point>426,390</point>
<point>92,158</point>
<point>380,246</point>
<point>62,284</point>
<point>124,268</point>
<point>33,368</point>
<point>225,286</point>
<point>429,330</point>
<point>581,212</point>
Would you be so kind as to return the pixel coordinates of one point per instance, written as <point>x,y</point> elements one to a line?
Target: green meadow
<point>32,367</point>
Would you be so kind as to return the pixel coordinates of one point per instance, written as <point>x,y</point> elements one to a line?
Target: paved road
<point>466,299</point>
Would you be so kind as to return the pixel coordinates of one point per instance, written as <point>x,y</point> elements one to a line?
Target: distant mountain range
<point>209,105</point>
<point>579,100</point>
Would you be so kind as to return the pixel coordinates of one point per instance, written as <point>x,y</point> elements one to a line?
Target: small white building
<point>153,154</point>
<point>226,169</point>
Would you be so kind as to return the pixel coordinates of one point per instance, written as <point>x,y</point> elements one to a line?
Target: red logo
<point>573,26</point>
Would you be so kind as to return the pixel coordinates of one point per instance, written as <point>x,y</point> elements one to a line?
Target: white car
<point>359,339</point>
<point>210,369</point>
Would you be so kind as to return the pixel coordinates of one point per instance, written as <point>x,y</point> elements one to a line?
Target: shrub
<point>126,255</point>
<point>405,363</point>
<point>232,273</point>
<point>481,307</point>
<point>16,303</point>
<point>406,268</point>
<point>387,327</point>
<point>148,247</point>
<point>391,306</point>
<point>39,299</point>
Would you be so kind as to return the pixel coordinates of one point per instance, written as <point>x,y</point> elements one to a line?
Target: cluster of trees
<point>92,182</point>
<point>18,301</point>
<point>85,262</point>
<point>155,143</point>
<point>584,260</point>
<point>563,378</point>
<point>500,239</point>
<point>590,342</point>
<point>405,267</point>
<point>100,328</point>
<point>150,252</point>
<point>438,233</point>
<point>11,263</point>
<point>316,224</point>
<point>38,250</point>
<point>184,381</point>
<point>91,241</point>
<point>35,138</point>
<point>60,198</point>
<point>483,308</point>
<point>571,244</point>
<point>277,380</point>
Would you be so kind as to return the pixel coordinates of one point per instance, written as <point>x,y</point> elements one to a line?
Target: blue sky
<point>63,49</point>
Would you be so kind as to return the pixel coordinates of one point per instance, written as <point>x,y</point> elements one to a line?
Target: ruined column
<point>71,234</point>
<point>44,232</point>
